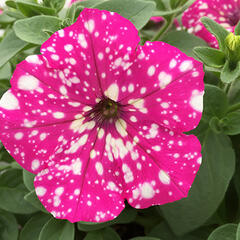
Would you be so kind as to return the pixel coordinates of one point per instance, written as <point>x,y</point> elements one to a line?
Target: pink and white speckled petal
<point>160,165</point>
<point>34,117</point>
<point>85,185</point>
<point>168,89</point>
<point>97,47</point>
<point>224,12</point>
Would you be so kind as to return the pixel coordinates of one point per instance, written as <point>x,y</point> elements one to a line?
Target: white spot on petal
<point>112,92</point>
<point>35,165</point>
<point>196,101</point>
<point>28,83</point>
<point>41,191</point>
<point>9,101</point>
<point>164,177</point>
<point>90,25</point>
<point>147,191</point>
<point>99,168</point>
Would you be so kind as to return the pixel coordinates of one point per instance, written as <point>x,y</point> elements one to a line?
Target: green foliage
<point>9,47</point>
<point>217,30</point>
<point>212,209</point>
<point>104,234</point>
<point>56,229</point>
<point>36,29</point>
<point>8,226</point>
<point>225,232</point>
<point>183,41</point>
<point>137,11</point>
<point>34,226</point>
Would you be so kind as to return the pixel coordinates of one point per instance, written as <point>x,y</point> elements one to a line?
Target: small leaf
<point>145,238</point>
<point>33,199</point>
<point>11,178</point>
<point>232,123</point>
<point>33,227</point>
<point>30,9</point>
<point>215,102</point>
<point>12,200</point>
<point>5,19</point>
<point>54,4</point>
<point>217,30</point>
<point>33,30</point>
<point>210,56</point>
<point>184,41</point>
<point>8,226</point>
<point>237,29</point>
<point>104,234</point>
<point>57,229</point>
<point>230,73</point>
<point>176,11</point>
<point>28,179</point>
<point>224,232</point>
<point>137,11</point>
<point>9,47</point>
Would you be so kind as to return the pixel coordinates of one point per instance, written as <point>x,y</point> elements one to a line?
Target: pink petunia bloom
<point>224,12</point>
<point>100,119</point>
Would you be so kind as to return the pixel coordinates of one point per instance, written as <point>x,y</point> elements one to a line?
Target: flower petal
<point>97,47</point>
<point>34,117</point>
<point>166,89</point>
<point>84,185</point>
<point>160,166</point>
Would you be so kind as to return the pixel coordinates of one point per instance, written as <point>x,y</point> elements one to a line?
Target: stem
<point>234,108</point>
<point>167,25</point>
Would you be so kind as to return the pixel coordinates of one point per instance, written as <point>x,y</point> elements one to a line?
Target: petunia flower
<point>224,12</point>
<point>100,119</point>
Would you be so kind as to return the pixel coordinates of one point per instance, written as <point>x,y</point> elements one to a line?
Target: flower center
<point>106,109</point>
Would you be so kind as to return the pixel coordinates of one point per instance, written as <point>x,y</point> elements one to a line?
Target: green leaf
<point>33,227</point>
<point>234,92</point>
<point>127,216</point>
<point>163,231</point>
<point>217,30</point>
<point>11,3</point>
<point>208,189</point>
<point>57,229</point>
<point>11,178</point>
<point>9,47</point>
<point>5,72</point>
<point>230,72</point>
<point>28,179</point>
<point>232,123</point>
<point>12,200</point>
<point>184,41</point>
<point>5,19</point>
<point>237,29</point>
<point>54,4</point>
<point>215,102</point>
<point>33,30</point>
<point>145,238</point>
<point>137,11</point>
<point>30,9</point>
<point>210,56</point>
<point>224,232</point>
<point>176,11</point>
<point>238,232</point>
<point>33,199</point>
<point>104,234</point>
<point>8,226</point>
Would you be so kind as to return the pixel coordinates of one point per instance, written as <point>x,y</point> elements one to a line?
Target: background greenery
<point>212,209</point>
